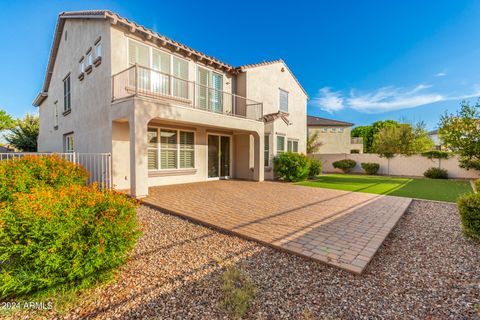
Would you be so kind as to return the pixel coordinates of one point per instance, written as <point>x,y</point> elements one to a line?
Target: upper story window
<point>280,145</point>
<point>138,54</point>
<point>89,58</point>
<point>324,129</point>
<point>69,143</point>
<point>98,50</point>
<point>341,130</point>
<point>209,88</point>
<point>67,99</point>
<point>81,66</point>
<point>283,97</point>
<point>333,130</point>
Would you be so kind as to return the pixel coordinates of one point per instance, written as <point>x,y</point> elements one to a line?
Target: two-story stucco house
<point>334,136</point>
<point>166,112</point>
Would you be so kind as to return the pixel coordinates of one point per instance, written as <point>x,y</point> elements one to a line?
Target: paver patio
<point>340,228</point>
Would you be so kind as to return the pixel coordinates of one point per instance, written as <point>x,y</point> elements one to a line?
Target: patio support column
<point>258,156</point>
<point>138,157</point>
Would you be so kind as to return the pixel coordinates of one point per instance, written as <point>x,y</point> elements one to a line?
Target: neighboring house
<point>436,139</point>
<point>4,149</point>
<point>334,136</point>
<point>166,112</point>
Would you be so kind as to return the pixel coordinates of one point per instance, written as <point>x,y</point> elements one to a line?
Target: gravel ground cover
<point>424,269</point>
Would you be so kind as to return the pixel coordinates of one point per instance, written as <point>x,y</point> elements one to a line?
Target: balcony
<point>142,81</point>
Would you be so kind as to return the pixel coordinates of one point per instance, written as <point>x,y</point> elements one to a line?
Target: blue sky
<point>359,61</point>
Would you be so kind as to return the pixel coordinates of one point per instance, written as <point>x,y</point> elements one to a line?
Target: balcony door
<point>209,90</point>
<point>218,165</point>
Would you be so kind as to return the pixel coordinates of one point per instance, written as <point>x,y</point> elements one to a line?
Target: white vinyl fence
<point>411,166</point>
<point>98,165</point>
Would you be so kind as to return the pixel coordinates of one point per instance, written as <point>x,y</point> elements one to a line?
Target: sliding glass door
<point>218,156</point>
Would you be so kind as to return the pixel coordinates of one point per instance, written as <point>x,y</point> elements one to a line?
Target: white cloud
<point>392,98</point>
<point>385,99</point>
<point>328,100</point>
<point>441,74</point>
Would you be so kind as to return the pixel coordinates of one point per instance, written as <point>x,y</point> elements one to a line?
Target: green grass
<point>430,189</point>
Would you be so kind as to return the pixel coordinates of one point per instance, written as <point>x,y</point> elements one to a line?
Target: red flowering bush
<point>52,236</point>
<point>25,173</point>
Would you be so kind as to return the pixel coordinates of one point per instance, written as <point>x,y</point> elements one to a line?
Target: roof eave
<point>40,98</point>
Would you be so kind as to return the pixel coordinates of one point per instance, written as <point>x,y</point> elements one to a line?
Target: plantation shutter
<point>152,148</point>
<point>202,79</point>
<point>138,53</point>
<point>168,145</point>
<point>187,153</point>
<point>180,70</point>
<point>216,94</point>
<point>161,63</point>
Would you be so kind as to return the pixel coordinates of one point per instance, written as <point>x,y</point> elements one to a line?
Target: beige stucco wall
<point>262,83</point>
<point>413,166</point>
<point>89,119</point>
<point>333,142</point>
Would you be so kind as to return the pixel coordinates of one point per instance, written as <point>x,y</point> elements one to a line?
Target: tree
<point>368,133</point>
<point>6,121</point>
<point>313,144</point>
<point>402,139</point>
<point>24,134</point>
<point>460,132</point>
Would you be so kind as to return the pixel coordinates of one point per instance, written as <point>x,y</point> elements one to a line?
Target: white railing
<point>138,80</point>
<point>98,165</point>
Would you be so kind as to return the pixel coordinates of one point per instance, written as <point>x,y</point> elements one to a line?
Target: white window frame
<point>98,49</point>
<point>159,148</point>
<point>290,143</point>
<point>81,66</point>
<point>209,86</point>
<point>341,130</point>
<point>280,91</point>
<point>67,93</point>
<point>284,144</point>
<point>333,130</point>
<point>69,142</point>
<point>325,129</point>
<point>266,152</point>
<point>90,58</point>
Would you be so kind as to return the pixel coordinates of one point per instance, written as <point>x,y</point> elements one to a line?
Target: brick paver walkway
<point>339,228</point>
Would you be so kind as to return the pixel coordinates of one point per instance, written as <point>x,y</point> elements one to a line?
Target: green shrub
<point>315,168</point>
<point>370,167</point>
<point>291,166</point>
<point>345,165</point>
<point>23,174</point>
<point>469,209</point>
<point>238,292</point>
<point>56,236</point>
<point>437,154</point>
<point>477,185</point>
<point>436,173</point>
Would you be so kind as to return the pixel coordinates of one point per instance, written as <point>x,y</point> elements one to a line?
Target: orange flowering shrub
<point>25,173</point>
<point>52,236</point>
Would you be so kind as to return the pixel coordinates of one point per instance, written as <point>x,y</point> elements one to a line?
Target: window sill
<point>88,69</point>
<point>81,76</point>
<point>67,112</point>
<point>172,172</point>
<point>97,61</point>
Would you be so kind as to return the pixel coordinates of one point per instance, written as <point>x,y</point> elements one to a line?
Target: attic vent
<point>66,35</point>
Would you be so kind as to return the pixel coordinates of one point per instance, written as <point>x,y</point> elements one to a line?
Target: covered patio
<point>340,228</point>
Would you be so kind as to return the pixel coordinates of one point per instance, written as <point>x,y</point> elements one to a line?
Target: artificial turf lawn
<point>430,189</point>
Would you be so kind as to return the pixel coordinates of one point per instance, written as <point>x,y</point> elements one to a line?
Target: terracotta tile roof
<point>133,26</point>
<point>317,121</point>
